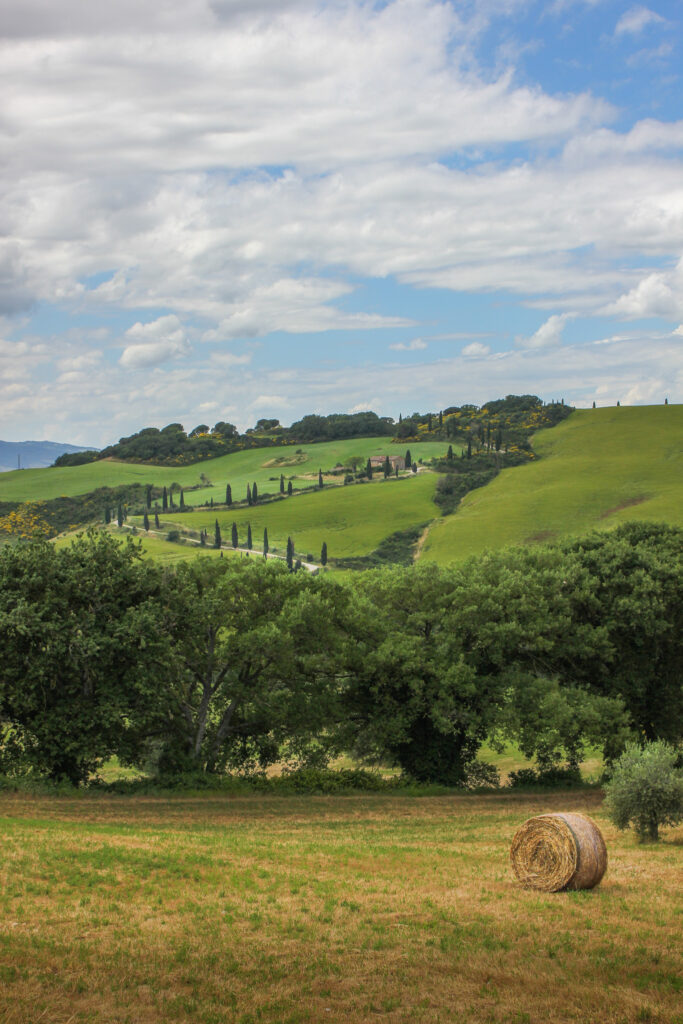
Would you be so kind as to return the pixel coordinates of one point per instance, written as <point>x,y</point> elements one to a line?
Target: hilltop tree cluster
<point>509,421</point>
<point>232,664</point>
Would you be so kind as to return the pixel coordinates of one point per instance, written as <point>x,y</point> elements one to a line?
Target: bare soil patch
<point>627,503</point>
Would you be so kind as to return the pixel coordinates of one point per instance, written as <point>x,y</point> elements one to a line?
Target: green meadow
<point>262,465</point>
<point>158,548</point>
<point>229,909</point>
<point>351,520</point>
<point>595,470</point>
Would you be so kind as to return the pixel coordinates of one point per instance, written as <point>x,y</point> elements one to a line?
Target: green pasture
<point>238,469</point>
<point>351,520</point>
<point>226,909</point>
<point>597,469</point>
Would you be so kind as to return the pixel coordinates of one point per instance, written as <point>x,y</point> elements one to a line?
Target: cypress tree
<point>202,539</point>
<point>440,418</point>
<point>320,479</point>
<point>323,554</point>
<point>170,499</point>
<point>499,439</point>
<point>400,418</point>
<point>396,470</point>
<point>182,498</point>
<point>449,455</point>
<point>290,553</point>
<point>228,494</point>
<point>249,540</point>
<point>156,521</point>
<point>408,458</point>
<point>235,540</point>
<point>594,404</point>
<point>414,467</point>
<point>248,495</point>
<point>217,536</point>
<point>254,493</point>
<point>666,402</point>
<point>164,500</point>
<point>145,521</point>
<point>618,403</point>
<point>107,515</point>
<point>386,467</point>
<point>289,488</point>
<point>282,483</point>
<point>148,496</point>
<point>368,469</point>
<point>469,449</point>
<point>119,516</point>
<point>211,502</point>
<point>265,541</point>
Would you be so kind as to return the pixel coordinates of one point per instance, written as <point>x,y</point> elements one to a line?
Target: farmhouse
<point>377,461</point>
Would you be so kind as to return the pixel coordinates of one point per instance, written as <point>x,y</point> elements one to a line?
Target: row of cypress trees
<point>292,562</point>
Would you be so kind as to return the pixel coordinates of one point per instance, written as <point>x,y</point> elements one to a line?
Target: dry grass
<point>559,851</point>
<point>344,909</point>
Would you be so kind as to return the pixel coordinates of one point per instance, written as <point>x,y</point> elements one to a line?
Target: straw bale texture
<point>559,851</point>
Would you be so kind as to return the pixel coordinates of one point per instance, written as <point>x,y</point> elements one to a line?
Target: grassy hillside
<point>352,520</point>
<point>598,468</point>
<point>238,469</point>
<point>158,548</point>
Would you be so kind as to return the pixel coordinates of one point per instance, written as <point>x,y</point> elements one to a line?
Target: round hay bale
<point>559,851</point>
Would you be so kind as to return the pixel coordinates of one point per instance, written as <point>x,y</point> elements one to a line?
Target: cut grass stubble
<point>307,909</point>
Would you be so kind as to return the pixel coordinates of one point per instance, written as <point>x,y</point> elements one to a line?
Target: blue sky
<point>231,209</point>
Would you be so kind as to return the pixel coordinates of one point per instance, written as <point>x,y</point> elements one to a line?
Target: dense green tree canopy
<point>255,659</point>
<point>80,649</point>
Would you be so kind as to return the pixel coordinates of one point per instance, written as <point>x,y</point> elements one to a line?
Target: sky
<point>233,209</point>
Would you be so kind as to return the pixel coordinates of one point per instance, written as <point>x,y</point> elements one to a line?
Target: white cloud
<point>154,342</point>
<point>476,350</point>
<point>179,392</point>
<point>633,21</point>
<point>231,358</point>
<point>128,158</point>
<point>659,294</point>
<point>416,345</point>
<point>679,329</point>
<point>268,402</point>
<point>548,335</point>
<point>245,164</point>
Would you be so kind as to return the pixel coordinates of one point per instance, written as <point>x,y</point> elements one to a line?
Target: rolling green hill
<point>598,468</point>
<point>239,469</point>
<point>351,520</point>
<point>594,470</point>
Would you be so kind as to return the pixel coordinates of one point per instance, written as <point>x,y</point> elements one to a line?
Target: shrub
<point>482,775</point>
<point>554,777</point>
<point>646,789</point>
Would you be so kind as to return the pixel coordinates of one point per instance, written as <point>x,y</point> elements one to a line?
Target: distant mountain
<point>32,454</point>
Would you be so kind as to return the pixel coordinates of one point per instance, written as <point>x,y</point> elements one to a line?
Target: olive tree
<point>646,789</point>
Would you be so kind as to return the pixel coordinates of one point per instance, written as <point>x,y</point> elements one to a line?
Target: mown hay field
<point>238,469</point>
<point>595,470</point>
<point>350,909</point>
